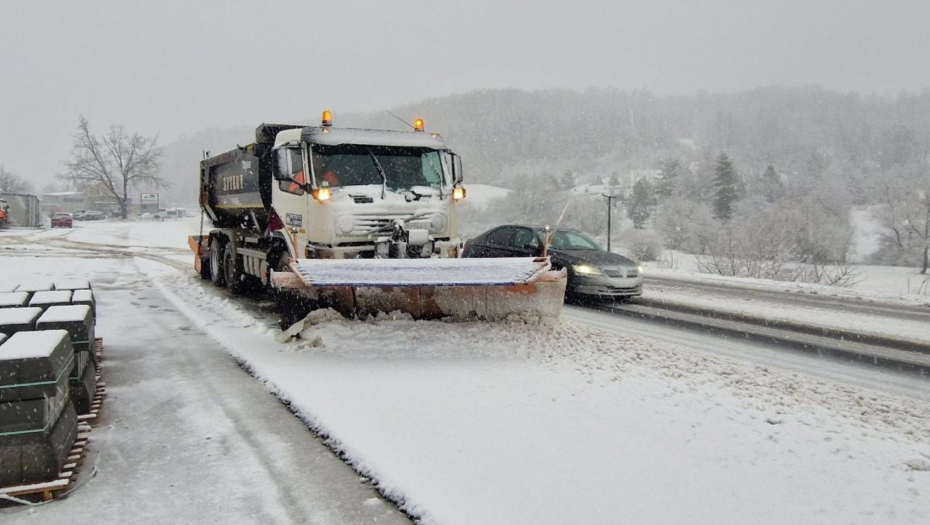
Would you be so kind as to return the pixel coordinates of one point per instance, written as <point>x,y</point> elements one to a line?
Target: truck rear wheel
<point>231,268</point>
<point>217,273</point>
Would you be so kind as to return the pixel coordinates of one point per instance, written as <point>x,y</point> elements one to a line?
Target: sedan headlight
<point>586,269</point>
<point>639,270</point>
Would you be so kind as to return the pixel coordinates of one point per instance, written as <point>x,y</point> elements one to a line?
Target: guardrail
<point>874,349</point>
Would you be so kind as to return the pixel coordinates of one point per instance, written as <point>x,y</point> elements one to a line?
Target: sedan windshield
<point>571,240</point>
<point>354,165</point>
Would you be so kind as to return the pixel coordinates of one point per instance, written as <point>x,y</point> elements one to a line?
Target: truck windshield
<point>352,165</point>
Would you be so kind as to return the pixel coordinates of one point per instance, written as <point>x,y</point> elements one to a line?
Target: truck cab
<point>350,193</point>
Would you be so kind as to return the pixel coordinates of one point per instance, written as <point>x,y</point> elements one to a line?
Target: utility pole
<point>610,204</point>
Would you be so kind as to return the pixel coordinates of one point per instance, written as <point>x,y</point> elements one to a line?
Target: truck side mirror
<point>457,173</point>
<point>282,170</point>
<point>289,172</point>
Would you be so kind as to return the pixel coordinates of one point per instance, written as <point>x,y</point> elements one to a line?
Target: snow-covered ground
<point>867,232</point>
<point>517,422</point>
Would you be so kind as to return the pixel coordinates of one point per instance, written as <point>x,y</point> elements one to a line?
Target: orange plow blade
<point>456,289</point>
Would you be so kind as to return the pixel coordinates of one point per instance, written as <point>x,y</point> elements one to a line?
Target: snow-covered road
<point>580,422</point>
<point>184,435</point>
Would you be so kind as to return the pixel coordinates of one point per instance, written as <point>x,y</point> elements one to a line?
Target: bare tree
<point>114,162</point>
<point>12,183</point>
<point>905,213</point>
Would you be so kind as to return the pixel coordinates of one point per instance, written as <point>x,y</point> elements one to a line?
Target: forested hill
<point>597,132</point>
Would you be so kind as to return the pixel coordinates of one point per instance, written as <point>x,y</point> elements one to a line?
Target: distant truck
<point>20,209</point>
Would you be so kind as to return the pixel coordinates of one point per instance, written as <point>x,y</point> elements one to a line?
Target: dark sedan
<point>592,271</point>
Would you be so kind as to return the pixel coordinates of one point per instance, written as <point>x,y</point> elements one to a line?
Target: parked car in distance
<point>169,214</point>
<point>62,220</point>
<point>593,273</point>
<point>91,216</point>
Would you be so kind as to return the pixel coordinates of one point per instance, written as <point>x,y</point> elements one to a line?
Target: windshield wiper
<point>381,171</point>
<point>436,171</point>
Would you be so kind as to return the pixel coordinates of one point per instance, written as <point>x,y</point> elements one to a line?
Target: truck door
<point>290,200</point>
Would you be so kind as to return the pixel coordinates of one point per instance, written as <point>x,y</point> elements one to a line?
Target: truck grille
<point>383,225</point>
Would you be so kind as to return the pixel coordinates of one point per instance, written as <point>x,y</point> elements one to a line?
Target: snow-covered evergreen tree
<point>726,188</point>
<point>638,206</point>
<point>667,182</point>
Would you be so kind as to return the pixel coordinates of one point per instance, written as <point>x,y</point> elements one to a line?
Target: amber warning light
<point>418,124</point>
<point>327,118</point>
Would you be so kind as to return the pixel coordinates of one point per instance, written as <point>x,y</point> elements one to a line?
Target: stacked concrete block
<point>35,285</point>
<point>13,320</point>
<point>38,423</point>
<point>85,297</point>
<point>78,321</point>
<point>51,298</point>
<point>14,299</point>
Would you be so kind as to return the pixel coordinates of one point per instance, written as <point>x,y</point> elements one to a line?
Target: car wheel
<point>217,275</point>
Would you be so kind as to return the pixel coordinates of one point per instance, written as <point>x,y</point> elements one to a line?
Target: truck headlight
<point>345,224</point>
<point>586,269</point>
<point>438,224</point>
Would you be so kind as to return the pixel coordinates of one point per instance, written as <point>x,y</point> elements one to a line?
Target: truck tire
<point>217,273</point>
<point>233,274</point>
<point>277,258</point>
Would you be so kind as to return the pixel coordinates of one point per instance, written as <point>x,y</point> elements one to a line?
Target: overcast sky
<point>171,67</point>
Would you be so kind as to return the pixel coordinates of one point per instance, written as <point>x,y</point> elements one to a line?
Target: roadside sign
<point>148,203</point>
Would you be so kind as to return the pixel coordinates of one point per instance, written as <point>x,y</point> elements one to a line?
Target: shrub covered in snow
<point>641,245</point>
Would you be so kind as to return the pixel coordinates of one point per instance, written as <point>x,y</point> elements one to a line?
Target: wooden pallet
<point>101,390</point>
<point>99,394</point>
<point>49,489</point>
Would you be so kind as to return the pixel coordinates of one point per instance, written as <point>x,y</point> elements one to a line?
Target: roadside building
<point>64,201</point>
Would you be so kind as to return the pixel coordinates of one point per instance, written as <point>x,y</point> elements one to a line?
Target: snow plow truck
<point>358,220</point>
